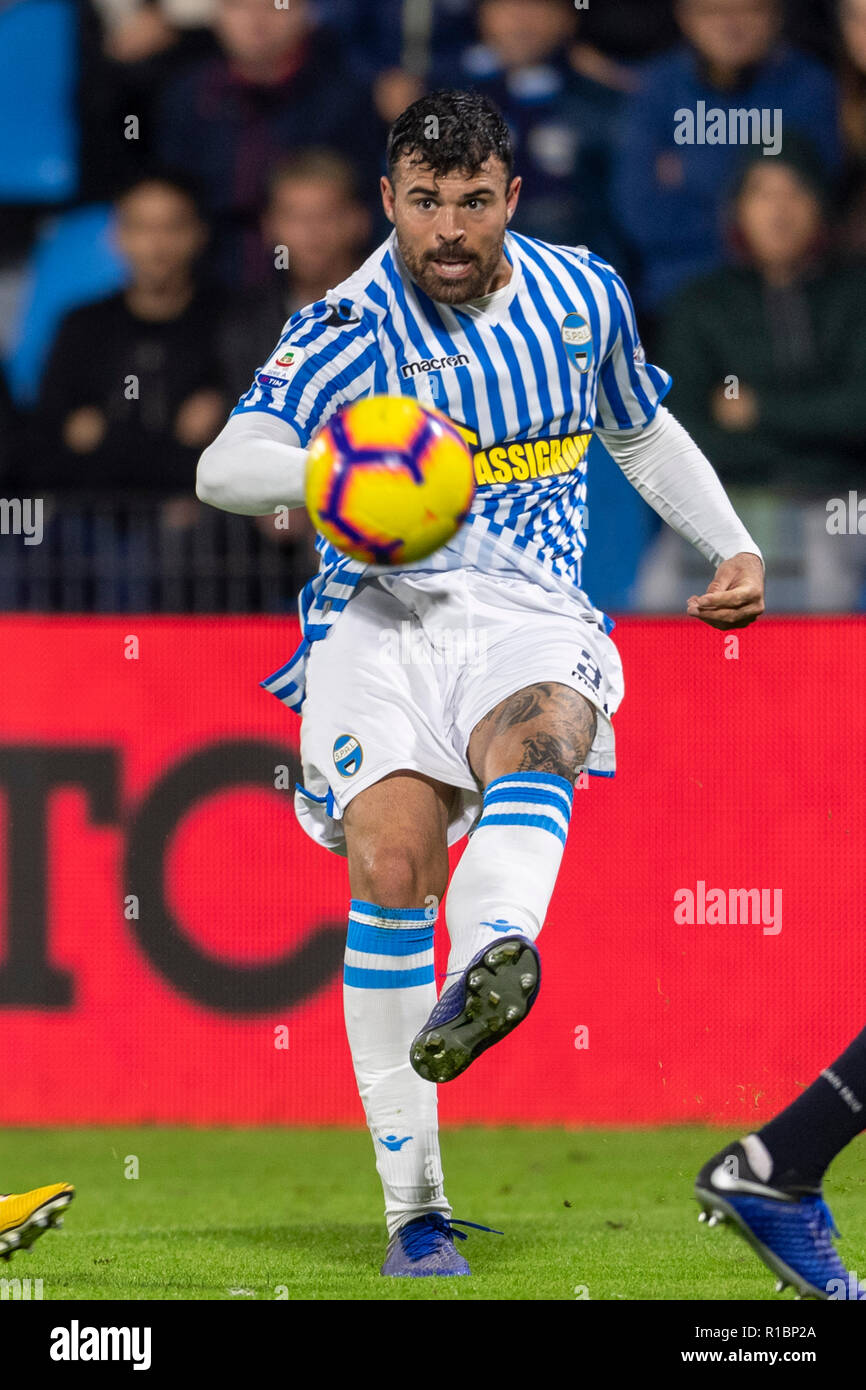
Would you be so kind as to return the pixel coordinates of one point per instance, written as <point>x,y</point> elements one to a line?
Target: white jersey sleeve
<point>667,468</point>
<point>254,466</point>
<point>325,359</point>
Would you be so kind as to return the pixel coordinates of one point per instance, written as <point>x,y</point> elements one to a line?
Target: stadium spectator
<point>132,392</point>
<point>564,125</point>
<point>279,85</point>
<point>397,45</point>
<point>768,359</point>
<point>147,46</point>
<point>316,231</point>
<point>852,34</point>
<point>137,30</point>
<point>672,176</point>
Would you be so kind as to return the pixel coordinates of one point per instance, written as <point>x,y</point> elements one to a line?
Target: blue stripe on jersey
<point>467,395</point>
<point>515,383</point>
<point>491,379</point>
<point>629,342</point>
<point>380,297</point>
<point>521,323</point>
<point>524,417</point>
<point>343,382</point>
<point>546,319</point>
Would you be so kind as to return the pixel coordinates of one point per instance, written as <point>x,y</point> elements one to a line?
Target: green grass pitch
<point>269,1213</point>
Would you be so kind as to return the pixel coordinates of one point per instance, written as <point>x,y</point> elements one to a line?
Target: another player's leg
<point>526,753</point>
<point>25,1215</point>
<point>769,1184</point>
<point>398,870</point>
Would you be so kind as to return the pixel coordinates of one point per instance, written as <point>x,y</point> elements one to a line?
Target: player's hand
<point>735,595</point>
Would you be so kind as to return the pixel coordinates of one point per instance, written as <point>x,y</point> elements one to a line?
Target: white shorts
<point>413,664</point>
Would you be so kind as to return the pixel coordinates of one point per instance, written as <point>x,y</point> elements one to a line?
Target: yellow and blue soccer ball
<point>389,480</point>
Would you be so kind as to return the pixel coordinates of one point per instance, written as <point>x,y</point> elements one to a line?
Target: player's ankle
<point>772,1169</point>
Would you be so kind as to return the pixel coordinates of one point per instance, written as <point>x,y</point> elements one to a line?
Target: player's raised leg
<point>526,752</point>
<point>398,870</point>
<point>768,1185</point>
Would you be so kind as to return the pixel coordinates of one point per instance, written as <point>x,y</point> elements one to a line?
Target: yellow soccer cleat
<point>25,1215</point>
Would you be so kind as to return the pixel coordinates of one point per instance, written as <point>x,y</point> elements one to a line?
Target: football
<point>389,480</point>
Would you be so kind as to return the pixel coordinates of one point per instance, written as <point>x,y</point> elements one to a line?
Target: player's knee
<point>396,874</point>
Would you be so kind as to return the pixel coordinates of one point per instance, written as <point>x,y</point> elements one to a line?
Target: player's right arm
<point>258,462</point>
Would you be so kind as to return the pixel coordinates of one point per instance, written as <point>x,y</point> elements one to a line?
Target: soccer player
<point>529,348</point>
<point>769,1184</point>
<point>25,1215</point>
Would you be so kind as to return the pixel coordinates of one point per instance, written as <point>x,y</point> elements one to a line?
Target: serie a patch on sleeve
<point>282,367</point>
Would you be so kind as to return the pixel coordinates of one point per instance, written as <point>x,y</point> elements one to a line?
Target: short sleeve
<point>630,389</point>
<point>325,359</point>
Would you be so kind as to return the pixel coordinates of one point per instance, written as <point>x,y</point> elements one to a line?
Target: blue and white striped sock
<point>505,879</point>
<point>388,992</point>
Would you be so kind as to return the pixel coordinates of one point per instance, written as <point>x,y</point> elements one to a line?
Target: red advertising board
<point>171,942</point>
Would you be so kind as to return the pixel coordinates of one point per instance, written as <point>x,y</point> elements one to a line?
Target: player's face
<point>159,233</point>
<point>730,33</point>
<point>318,223</point>
<point>852,18</point>
<point>450,227</point>
<point>252,31</point>
<point>778,216</point>
<point>523,32</point>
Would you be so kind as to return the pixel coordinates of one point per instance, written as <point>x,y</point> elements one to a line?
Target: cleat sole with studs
<point>500,991</point>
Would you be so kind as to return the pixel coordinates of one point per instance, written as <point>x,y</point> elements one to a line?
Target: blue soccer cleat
<point>425,1246</point>
<point>495,992</point>
<point>791,1231</point>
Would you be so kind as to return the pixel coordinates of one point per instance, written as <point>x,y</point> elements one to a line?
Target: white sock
<point>505,879</point>
<point>388,991</point>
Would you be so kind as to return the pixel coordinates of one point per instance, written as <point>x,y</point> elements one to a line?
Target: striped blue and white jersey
<point>526,375</point>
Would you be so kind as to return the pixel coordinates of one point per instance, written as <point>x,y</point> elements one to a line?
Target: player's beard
<point>471,286</point>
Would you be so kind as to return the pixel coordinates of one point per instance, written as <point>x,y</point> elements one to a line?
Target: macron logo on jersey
<point>433,364</point>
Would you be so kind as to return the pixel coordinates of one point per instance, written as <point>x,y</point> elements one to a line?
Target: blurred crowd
<point>178,176</point>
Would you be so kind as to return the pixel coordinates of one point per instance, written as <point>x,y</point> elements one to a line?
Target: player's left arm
<point>665,465</point>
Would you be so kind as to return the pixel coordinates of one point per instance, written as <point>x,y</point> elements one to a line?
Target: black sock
<point>805,1137</point>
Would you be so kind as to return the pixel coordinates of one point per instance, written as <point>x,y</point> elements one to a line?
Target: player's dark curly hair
<point>450,130</point>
